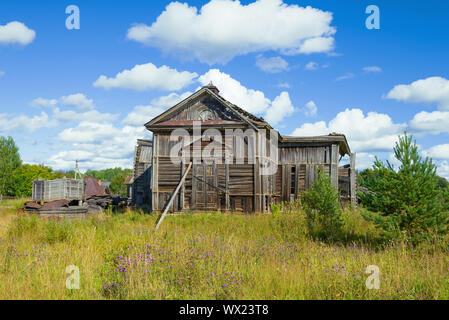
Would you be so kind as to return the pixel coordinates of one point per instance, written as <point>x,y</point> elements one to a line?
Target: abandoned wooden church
<point>226,180</point>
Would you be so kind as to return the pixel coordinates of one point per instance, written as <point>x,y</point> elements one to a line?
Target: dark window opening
<point>293,180</point>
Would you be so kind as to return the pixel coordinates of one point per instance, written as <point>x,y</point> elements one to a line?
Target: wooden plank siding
<point>234,183</point>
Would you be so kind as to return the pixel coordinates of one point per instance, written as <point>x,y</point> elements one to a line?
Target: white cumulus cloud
<point>251,100</point>
<point>88,132</point>
<point>170,100</point>
<point>141,115</point>
<point>435,122</point>
<point>41,102</point>
<point>310,109</point>
<point>223,29</point>
<point>443,169</point>
<point>85,106</point>
<point>373,132</point>
<point>16,32</point>
<point>432,90</point>
<point>364,160</point>
<point>280,108</point>
<point>313,45</point>
<point>311,65</point>
<point>22,123</point>
<point>440,151</point>
<point>85,140</point>
<point>440,155</point>
<point>78,100</point>
<point>66,116</point>
<point>271,65</point>
<point>147,76</point>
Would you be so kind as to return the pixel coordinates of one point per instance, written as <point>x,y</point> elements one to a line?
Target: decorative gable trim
<point>205,90</point>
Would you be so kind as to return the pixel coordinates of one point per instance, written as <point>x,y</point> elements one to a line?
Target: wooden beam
<point>297,181</point>
<point>353,181</point>
<point>181,182</point>
<point>183,190</point>
<point>227,198</point>
<point>283,183</point>
<point>194,183</point>
<point>155,175</point>
<point>334,165</point>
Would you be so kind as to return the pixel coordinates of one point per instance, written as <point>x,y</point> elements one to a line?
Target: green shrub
<point>275,209</point>
<point>322,207</point>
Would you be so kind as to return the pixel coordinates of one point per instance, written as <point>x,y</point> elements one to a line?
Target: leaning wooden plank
<point>181,182</point>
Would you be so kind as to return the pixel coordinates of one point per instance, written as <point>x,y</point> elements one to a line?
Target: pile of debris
<point>95,198</point>
<point>99,195</point>
<point>96,194</point>
<point>60,206</point>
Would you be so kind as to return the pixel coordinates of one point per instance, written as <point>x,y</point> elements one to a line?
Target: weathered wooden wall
<point>299,167</point>
<point>208,186</point>
<point>143,158</point>
<point>240,187</point>
<point>347,182</point>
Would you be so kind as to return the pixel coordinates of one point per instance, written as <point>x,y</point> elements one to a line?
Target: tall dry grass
<point>212,256</point>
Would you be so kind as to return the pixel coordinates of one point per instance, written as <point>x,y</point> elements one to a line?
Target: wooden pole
<point>353,181</point>
<point>173,196</point>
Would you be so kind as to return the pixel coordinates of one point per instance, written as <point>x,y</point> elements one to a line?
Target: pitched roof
<point>246,117</point>
<point>252,120</point>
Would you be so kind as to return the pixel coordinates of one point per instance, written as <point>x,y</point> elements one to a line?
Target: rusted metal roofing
<point>93,189</point>
<point>55,204</point>
<point>129,180</point>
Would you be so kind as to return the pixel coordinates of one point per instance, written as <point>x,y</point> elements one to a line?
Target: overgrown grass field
<point>210,256</point>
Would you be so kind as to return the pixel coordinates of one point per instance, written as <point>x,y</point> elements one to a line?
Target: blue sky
<point>368,84</point>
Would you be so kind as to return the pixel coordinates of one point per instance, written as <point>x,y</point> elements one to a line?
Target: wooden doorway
<point>205,187</point>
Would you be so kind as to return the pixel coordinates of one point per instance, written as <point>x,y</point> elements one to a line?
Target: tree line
<point>16,177</point>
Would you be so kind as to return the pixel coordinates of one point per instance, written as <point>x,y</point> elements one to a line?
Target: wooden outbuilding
<point>230,149</point>
<point>141,185</point>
